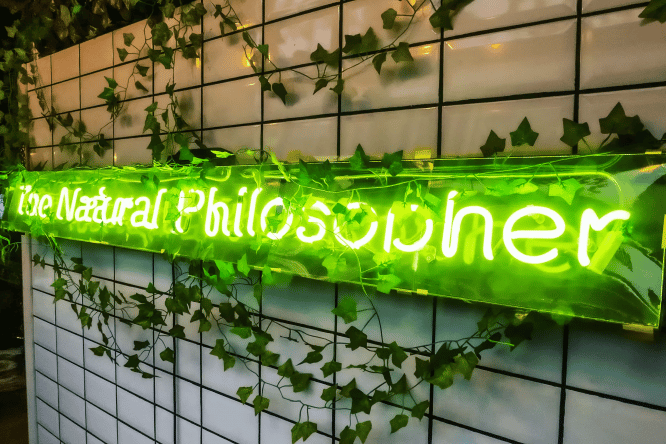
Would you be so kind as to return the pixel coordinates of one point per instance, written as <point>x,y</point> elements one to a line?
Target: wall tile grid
<point>505,60</point>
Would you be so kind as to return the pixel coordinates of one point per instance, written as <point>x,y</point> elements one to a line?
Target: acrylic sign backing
<point>573,236</point>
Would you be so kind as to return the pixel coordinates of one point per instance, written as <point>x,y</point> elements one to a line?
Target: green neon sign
<point>574,236</point>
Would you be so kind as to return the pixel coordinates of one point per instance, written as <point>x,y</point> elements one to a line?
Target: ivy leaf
<point>393,162</point>
<point>363,430</point>
<point>280,91</point>
<point>140,345</point>
<point>518,333</point>
<point>441,18</point>
<point>624,258</point>
<point>219,351</point>
<point>150,109</point>
<point>242,332</point>
<point>565,189</point>
<point>524,134</point>
<point>267,275</point>
<point>360,402</point>
<point>242,265</point>
<point>263,49</point>
<point>398,355</point>
<point>465,363</point>
<point>574,132</point>
<point>312,358</point>
<point>419,409</point>
<point>321,55</point>
<point>265,84</point>
<point>388,18</point>
<point>402,54</point>
<point>99,350</point>
<point>178,331</point>
<point>348,436</point>
<point>493,145</point>
<point>387,282</point>
<point>260,403</point>
<point>356,338</point>
<point>488,343</point>
<point>398,422</point>
<point>248,39</point>
<point>378,61</point>
<point>168,10</point>
<point>128,38</point>
<point>302,430</point>
<point>329,393</point>
<point>359,161</point>
<point>140,86</point>
<point>346,309</point>
<point>339,87</point>
<point>244,393</point>
<point>347,389</point>
<point>352,43</point>
<point>257,293</point>
<point>167,355</point>
<point>331,367</point>
<point>161,34</point>
<point>320,84</point>
<point>655,10</point>
<point>618,123</point>
<point>300,381</point>
<point>286,369</point>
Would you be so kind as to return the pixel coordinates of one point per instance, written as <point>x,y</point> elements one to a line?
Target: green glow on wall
<point>574,236</point>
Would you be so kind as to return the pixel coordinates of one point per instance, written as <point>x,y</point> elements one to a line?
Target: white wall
<point>507,59</point>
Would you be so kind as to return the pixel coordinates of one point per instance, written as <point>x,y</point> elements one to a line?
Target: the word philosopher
<point>248,212</point>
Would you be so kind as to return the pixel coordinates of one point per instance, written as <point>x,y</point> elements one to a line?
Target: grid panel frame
<point>443,106</point>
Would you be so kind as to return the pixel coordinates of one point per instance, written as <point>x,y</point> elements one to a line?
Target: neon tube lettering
<point>416,246</point>
<point>192,209</point>
<point>300,231</point>
<point>452,228</point>
<point>119,207</point>
<point>83,211</point>
<point>33,202</point>
<point>44,204</point>
<point>70,206</point>
<point>510,235</point>
<point>264,214</point>
<point>239,211</point>
<point>212,225</point>
<point>253,208</point>
<point>101,203</point>
<point>26,189</point>
<point>365,239</point>
<point>134,220</point>
<point>591,220</point>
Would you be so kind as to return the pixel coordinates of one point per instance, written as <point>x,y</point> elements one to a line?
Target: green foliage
<point>566,189</point>
<point>346,310</point>
<point>388,18</point>
<point>493,145</point>
<point>655,10</point>
<point>398,422</point>
<point>524,134</point>
<point>302,430</point>
<point>402,54</point>
<point>260,404</point>
<point>189,294</point>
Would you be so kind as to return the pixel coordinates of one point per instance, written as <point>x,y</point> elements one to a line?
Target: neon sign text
<point>144,212</point>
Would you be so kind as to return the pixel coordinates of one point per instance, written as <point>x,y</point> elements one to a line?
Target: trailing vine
<point>208,293</point>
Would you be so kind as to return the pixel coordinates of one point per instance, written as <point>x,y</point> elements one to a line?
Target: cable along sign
<point>573,236</point>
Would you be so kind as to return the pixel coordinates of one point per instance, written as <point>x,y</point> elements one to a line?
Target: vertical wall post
<point>28,336</point>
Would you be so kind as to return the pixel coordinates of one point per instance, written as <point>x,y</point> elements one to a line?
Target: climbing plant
<point>213,294</point>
